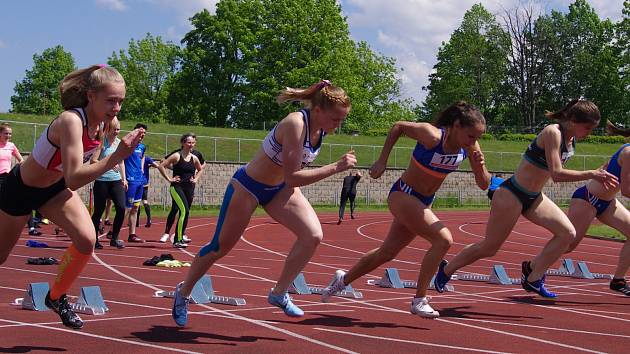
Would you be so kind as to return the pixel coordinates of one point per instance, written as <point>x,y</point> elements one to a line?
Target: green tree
<point>583,60</point>
<point>38,92</point>
<point>622,36</point>
<point>147,67</point>
<point>471,66</point>
<point>236,61</point>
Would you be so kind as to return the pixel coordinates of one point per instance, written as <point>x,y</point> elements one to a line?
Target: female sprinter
<point>441,147</point>
<point>56,168</point>
<point>272,180</point>
<point>595,200</point>
<point>522,194</point>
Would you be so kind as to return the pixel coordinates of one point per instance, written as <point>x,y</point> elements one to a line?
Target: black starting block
<point>203,293</point>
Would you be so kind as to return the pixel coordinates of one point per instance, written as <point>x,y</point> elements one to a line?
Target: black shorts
<point>526,197</point>
<point>18,199</point>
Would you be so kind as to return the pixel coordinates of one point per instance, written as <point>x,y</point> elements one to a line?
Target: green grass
<point>239,145</point>
<point>605,231</point>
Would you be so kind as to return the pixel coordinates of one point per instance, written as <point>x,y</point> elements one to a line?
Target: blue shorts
<point>598,204</point>
<point>262,192</point>
<point>400,186</point>
<point>133,196</point>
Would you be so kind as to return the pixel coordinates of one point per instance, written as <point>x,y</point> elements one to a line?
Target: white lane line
<point>86,334</point>
<point>389,339</point>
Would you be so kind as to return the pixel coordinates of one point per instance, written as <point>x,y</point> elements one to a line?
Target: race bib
<point>447,162</point>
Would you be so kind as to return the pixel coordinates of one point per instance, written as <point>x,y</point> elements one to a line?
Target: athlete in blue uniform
<point>440,149</point>
<point>594,200</point>
<point>495,182</point>
<point>134,166</point>
<point>272,180</point>
<point>544,159</point>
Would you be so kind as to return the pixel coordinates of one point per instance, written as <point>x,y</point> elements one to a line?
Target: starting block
<point>391,279</point>
<point>498,275</point>
<point>300,287</point>
<point>203,293</point>
<point>569,269</point>
<point>90,301</point>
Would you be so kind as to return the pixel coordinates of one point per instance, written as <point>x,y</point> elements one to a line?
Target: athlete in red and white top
<point>48,179</point>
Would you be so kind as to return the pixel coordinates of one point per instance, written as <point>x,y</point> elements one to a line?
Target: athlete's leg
<point>581,214</point>
<point>618,217</point>
<point>290,208</point>
<point>10,233</point>
<point>504,212</point>
<point>342,203</point>
<point>236,210</point>
<point>548,215</point>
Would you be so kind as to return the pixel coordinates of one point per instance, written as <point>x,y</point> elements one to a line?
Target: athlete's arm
<point>624,161</point>
<point>199,168</point>
<point>168,163</point>
<point>478,165</point>
<point>75,173</point>
<point>17,155</point>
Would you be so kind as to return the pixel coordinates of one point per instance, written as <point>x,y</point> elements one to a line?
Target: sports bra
<point>613,164</point>
<point>48,155</point>
<point>273,148</point>
<point>536,155</point>
<point>435,161</point>
<point>184,169</point>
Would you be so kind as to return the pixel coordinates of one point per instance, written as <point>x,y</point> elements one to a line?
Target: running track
<point>478,317</point>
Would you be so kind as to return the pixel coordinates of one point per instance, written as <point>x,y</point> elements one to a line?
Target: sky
<point>411,31</point>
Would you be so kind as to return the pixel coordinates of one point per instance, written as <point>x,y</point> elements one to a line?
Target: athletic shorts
<point>400,186</point>
<point>526,197</point>
<point>18,199</point>
<point>133,196</point>
<point>262,192</point>
<point>598,204</point>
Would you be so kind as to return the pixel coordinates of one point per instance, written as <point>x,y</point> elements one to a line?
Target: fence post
<point>34,135</point>
<point>501,161</point>
<point>215,149</point>
<point>239,150</point>
<point>165,144</point>
<point>373,154</point>
<point>329,153</point>
<point>395,157</point>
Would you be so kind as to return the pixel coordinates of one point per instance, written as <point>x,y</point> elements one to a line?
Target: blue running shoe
<point>180,307</point>
<point>538,287</point>
<point>284,302</point>
<point>440,280</point>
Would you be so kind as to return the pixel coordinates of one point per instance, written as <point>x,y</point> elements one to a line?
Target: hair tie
<point>102,65</point>
<point>323,84</point>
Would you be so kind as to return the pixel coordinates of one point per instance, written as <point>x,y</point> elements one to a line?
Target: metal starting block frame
<point>300,287</point>
<point>203,293</point>
<point>569,269</point>
<point>391,279</point>
<point>90,301</point>
<point>498,275</point>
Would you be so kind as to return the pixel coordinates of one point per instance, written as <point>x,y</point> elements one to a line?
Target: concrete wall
<point>458,188</point>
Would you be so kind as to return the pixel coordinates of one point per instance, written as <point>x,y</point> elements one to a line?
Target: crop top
<point>48,155</point>
<point>435,161</point>
<point>273,148</point>
<point>536,155</point>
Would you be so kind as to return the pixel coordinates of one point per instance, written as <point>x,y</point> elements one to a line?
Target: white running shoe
<point>186,239</point>
<point>335,286</point>
<point>164,238</point>
<point>420,306</point>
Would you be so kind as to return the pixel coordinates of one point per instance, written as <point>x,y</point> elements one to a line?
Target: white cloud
<point>412,31</point>
<point>2,44</point>
<point>116,5</point>
<point>183,10</point>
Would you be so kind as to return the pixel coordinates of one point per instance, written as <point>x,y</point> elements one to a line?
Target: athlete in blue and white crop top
<point>273,148</point>
<point>434,161</point>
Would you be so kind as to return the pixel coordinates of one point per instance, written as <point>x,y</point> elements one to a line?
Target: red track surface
<point>477,317</point>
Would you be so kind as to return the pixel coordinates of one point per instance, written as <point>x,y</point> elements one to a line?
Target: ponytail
<point>322,94</point>
<point>467,115</point>
<point>611,129</point>
<point>74,87</point>
<point>579,110</point>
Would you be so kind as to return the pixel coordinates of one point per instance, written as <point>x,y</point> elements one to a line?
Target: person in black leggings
<point>186,167</point>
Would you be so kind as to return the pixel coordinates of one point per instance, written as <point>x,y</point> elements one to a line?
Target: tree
<point>38,92</point>
<point>236,61</point>
<point>147,67</point>
<point>471,66</point>
<point>622,39</point>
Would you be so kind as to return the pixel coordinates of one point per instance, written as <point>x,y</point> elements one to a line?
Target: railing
<point>222,149</point>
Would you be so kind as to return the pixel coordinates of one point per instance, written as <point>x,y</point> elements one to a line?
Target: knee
<point>486,250</point>
<point>443,241</point>
<point>85,243</point>
<point>313,240</point>
<point>568,236</point>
